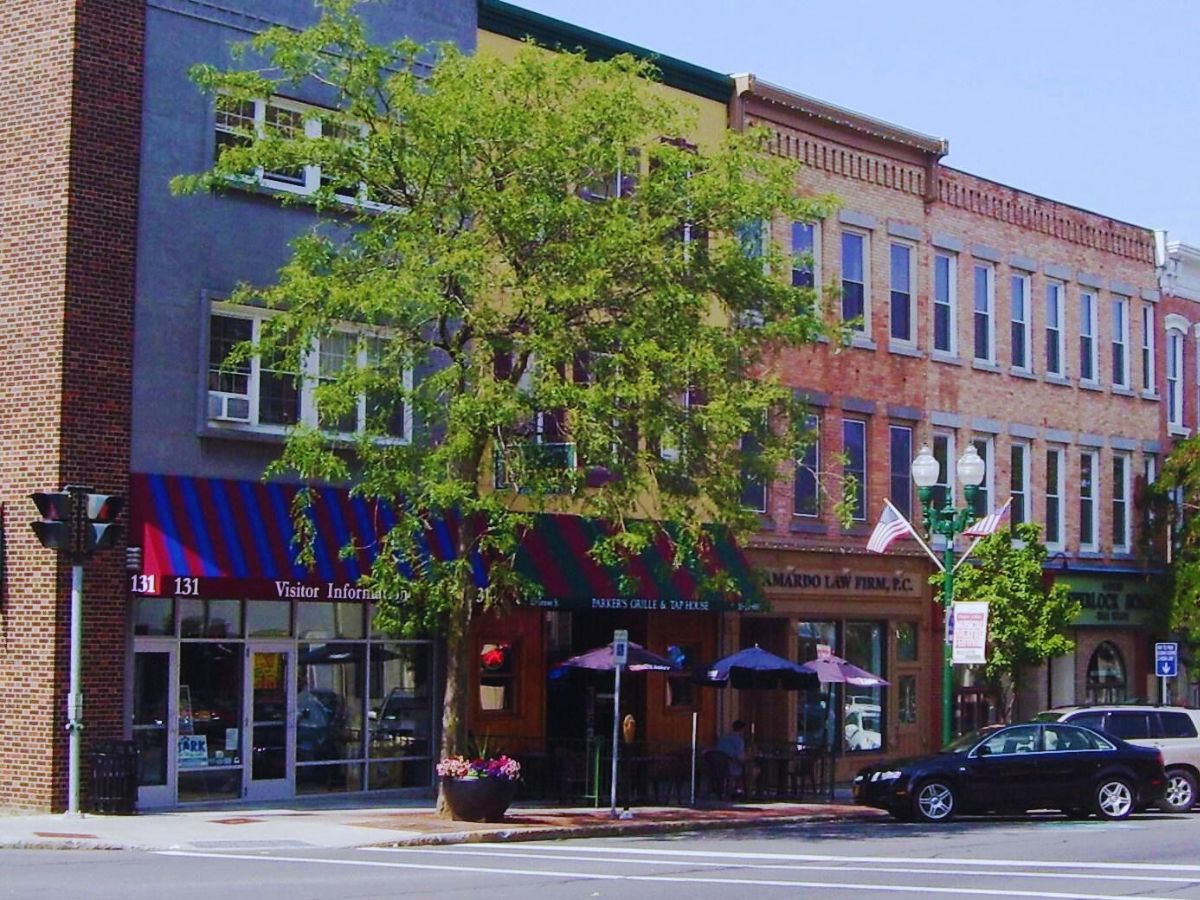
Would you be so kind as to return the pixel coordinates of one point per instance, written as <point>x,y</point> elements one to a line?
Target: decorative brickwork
<point>68,203</point>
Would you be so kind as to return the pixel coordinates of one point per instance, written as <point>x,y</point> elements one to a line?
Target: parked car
<point>1016,768</point>
<point>1175,730</point>
<point>861,725</point>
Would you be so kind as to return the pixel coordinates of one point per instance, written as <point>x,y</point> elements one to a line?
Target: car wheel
<point>934,802</point>
<point>1114,798</point>
<point>1181,792</point>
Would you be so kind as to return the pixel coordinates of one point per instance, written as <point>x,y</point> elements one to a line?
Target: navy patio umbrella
<point>756,668</point>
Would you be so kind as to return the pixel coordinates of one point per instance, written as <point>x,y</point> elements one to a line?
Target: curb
<point>617,829</point>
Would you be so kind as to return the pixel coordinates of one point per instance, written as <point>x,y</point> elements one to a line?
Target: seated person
<point>733,745</point>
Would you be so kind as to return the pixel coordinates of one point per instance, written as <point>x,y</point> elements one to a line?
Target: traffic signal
<point>54,528</point>
<point>99,531</point>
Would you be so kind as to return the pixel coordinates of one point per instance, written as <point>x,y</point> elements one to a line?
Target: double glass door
<point>214,720</point>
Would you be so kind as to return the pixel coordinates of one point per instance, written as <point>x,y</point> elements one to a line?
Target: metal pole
<point>948,649</point>
<point>695,715</point>
<point>616,732</point>
<point>75,694</point>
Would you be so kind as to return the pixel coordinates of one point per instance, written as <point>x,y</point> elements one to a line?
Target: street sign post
<point>620,659</point>
<point>1166,664</point>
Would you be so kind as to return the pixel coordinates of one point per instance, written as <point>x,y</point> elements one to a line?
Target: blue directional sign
<point>1166,660</point>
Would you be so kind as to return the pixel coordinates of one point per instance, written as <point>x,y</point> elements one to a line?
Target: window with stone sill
<point>498,665</point>
<point>254,394</point>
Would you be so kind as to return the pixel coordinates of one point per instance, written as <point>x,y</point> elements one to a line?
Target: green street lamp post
<point>948,522</point>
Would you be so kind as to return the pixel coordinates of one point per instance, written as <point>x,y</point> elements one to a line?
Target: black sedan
<point>1016,768</point>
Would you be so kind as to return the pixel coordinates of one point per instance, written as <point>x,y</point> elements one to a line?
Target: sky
<point>1094,103</point>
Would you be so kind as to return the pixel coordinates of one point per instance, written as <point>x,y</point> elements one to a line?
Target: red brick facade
<point>68,200</point>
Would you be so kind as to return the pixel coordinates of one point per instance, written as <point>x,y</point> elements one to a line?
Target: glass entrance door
<point>270,722</point>
<point>155,728</point>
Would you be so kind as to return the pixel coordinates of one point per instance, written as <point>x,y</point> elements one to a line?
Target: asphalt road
<point>1038,857</point>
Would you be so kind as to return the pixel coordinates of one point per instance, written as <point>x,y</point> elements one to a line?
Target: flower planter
<point>478,799</point>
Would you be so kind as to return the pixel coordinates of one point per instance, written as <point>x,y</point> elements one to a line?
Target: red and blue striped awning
<point>220,538</point>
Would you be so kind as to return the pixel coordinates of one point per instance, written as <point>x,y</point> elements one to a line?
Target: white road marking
<point>657,879</point>
<point>469,850</point>
<point>908,860</point>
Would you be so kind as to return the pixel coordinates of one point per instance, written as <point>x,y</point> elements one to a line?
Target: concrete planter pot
<point>478,799</point>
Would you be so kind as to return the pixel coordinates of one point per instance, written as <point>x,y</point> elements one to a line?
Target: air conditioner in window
<point>226,407</point>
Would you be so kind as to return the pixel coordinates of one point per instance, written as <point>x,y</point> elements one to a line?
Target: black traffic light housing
<point>77,522</point>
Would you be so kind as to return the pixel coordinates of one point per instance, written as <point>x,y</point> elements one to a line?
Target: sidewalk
<point>331,823</point>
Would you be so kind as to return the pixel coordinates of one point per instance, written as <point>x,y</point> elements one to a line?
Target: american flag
<point>989,524</point>
<point>891,526</point>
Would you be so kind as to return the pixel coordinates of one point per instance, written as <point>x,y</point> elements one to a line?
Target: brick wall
<point>68,203</point>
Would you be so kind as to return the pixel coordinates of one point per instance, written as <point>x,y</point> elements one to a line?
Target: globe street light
<point>948,522</point>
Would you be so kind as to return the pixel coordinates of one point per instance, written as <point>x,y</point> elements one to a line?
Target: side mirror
<point>985,750</point>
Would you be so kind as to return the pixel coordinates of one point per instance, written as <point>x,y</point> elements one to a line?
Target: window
<point>1054,490</point>
<point>902,315</point>
<point>1087,336</point>
<point>854,449</point>
<point>806,254</point>
<point>1019,483</point>
<point>236,121</point>
<point>1106,684</point>
<point>943,452</point>
<point>984,493</point>
<point>1020,322</point>
<point>1148,382</point>
<point>264,395</point>
<point>754,487</point>
<point>1054,335</point>
<point>807,495</point>
<point>900,466</point>
<point>497,677</point>
<point>1087,501</point>
<point>855,297</point>
<point>944,288</point>
<point>984,305</point>
<point>1120,502</point>
<point>1174,376</point>
<point>751,237</point>
<point>863,711</point>
<point>1120,341</point>
<point>617,181</point>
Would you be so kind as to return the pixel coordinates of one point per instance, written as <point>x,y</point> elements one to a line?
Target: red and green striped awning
<point>221,538</point>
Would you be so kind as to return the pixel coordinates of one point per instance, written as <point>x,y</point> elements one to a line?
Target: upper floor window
<point>1020,322</point>
<point>855,278</point>
<point>854,450</point>
<point>984,493</point>
<point>1087,501</point>
<point>1148,380</point>
<point>806,254</point>
<point>943,452</point>
<point>1054,494</point>
<point>617,181</point>
<point>1019,482</point>
<point>1174,379</point>
<point>1087,336</point>
<point>900,468</point>
<point>903,295</point>
<point>1054,328</point>
<point>1120,341</point>
<point>1120,503</point>
<point>754,487</point>
<point>944,289</point>
<point>984,307</point>
<point>261,395</point>
<point>807,497</point>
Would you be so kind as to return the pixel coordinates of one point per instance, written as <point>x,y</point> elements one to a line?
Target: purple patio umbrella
<point>640,660</point>
<point>834,669</point>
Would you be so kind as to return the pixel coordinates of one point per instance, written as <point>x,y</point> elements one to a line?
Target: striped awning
<point>218,538</point>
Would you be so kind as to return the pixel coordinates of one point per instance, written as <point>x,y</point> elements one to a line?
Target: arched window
<point>1106,675</point>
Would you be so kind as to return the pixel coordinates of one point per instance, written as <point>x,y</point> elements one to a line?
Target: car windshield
<point>967,741</point>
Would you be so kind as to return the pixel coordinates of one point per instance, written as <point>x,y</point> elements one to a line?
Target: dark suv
<point>1175,730</point>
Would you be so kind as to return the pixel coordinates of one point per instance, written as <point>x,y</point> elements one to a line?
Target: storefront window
<point>906,642</point>
<point>863,708</point>
<point>210,717</point>
<point>322,621</point>
<point>329,716</point>
<point>210,618</point>
<point>497,677</point>
<point>401,725</point>
<point>1106,675</point>
<point>680,690</point>
<point>154,616</point>
<point>268,618</point>
<point>815,715</point>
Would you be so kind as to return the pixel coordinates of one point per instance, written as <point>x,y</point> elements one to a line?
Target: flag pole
<point>937,562</point>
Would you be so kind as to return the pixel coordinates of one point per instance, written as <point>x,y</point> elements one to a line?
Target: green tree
<point>1169,506</point>
<point>564,274</point>
<point>1027,621</point>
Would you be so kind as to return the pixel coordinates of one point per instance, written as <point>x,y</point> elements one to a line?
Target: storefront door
<point>155,726</point>
<point>270,720</point>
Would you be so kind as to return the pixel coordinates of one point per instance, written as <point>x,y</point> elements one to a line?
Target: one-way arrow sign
<point>1166,660</point>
